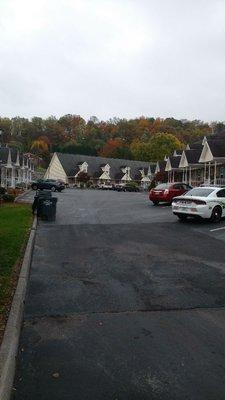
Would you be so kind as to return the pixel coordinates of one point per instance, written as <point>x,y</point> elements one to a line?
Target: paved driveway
<point>124,302</point>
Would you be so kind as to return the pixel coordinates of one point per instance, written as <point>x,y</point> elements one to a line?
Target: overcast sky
<point>123,58</point>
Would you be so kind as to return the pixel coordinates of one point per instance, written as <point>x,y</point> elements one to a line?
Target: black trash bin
<point>47,208</point>
<point>40,194</point>
<point>45,205</point>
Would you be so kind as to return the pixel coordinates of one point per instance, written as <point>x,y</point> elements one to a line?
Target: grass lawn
<point>15,221</point>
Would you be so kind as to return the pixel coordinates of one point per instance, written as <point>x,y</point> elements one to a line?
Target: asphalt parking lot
<point>124,302</point>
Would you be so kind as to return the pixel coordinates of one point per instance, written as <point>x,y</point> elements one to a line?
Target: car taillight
<point>199,202</point>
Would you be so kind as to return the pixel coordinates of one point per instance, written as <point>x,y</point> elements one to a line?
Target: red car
<point>165,192</point>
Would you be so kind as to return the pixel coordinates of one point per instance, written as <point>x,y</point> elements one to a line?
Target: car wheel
<point>156,203</point>
<point>34,187</point>
<point>53,188</point>
<point>182,217</point>
<point>216,214</point>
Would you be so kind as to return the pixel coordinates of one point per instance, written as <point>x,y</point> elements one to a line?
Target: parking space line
<point>217,229</point>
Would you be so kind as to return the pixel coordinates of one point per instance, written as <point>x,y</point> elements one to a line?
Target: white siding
<point>55,170</point>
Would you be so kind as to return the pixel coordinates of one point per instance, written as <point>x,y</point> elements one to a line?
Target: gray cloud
<point>113,58</point>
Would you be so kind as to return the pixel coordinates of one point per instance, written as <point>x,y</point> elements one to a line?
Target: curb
<point>9,346</point>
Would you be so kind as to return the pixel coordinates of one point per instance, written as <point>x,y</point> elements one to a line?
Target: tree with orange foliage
<point>110,146</point>
<point>40,145</point>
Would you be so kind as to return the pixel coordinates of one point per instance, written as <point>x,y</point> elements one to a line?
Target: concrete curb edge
<point>9,346</point>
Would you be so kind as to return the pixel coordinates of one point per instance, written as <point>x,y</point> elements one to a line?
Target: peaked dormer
<point>157,168</point>
<point>168,166</point>
<point>145,174</point>
<point>204,140</point>
<point>142,172</point>
<point>206,154</point>
<point>149,173</point>
<point>183,160</point>
<point>17,163</point>
<point>106,171</point>
<point>126,172</point>
<point>82,167</point>
<point>9,159</point>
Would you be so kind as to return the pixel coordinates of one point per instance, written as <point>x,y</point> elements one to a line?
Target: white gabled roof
<point>168,165</point>
<point>206,154</point>
<point>183,161</point>
<point>157,168</point>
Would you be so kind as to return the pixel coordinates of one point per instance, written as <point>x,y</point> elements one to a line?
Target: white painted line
<point>217,229</point>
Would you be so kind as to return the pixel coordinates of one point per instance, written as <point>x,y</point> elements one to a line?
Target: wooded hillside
<point>148,139</point>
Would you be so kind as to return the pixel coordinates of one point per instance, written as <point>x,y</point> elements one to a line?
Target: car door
<point>177,190</point>
<point>221,199</point>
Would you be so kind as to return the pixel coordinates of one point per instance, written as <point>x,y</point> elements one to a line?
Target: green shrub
<point>88,184</point>
<point>132,184</point>
<point>8,198</point>
<point>2,190</point>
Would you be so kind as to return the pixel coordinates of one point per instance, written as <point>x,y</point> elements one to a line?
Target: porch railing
<point>220,181</point>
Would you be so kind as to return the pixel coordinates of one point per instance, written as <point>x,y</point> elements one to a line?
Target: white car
<point>205,202</point>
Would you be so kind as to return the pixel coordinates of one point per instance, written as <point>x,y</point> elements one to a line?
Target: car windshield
<point>162,186</point>
<point>201,192</point>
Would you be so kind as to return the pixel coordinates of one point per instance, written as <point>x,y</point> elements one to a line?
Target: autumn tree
<point>40,147</point>
<point>163,144</point>
<point>156,148</point>
<point>73,126</point>
<point>141,138</point>
<point>110,147</point>
<point>141,151</point>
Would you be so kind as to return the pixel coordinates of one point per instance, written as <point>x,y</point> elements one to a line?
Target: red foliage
<point>110,146</point>
<point>161,177</point>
